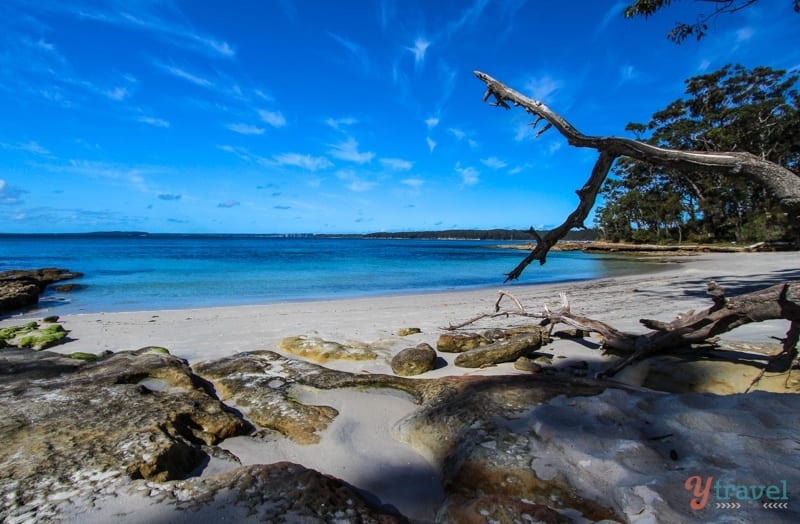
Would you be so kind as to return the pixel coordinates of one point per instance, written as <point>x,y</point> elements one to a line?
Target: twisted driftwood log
<point>781,183</point>
<point>781,301</point>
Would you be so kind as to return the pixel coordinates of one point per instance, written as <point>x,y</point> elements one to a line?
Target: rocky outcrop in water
<point>21,288</point>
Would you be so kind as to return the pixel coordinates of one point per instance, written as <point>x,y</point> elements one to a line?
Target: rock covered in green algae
<point>321,351</point>
<point>32,336</point>
<point>414,361</point>
<point>72,428</point>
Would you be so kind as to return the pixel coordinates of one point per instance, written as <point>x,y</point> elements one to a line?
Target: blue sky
<point>328,117</point>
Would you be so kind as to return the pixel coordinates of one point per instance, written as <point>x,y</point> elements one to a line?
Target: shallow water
<point>173,272</point>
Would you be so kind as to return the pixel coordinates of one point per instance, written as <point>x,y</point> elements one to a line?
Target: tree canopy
<point>699,27</point>
<point>734,109</point>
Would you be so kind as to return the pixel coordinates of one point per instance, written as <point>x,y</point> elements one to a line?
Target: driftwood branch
<point>781,301</point>
<point>780,182</point>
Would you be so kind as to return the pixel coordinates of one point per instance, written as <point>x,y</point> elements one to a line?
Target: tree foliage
<point>733,109</point>
<point>699,27</point>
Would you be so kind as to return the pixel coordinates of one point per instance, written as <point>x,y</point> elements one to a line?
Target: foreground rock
<point>724,369</point>
<point>21,288</point>
<point>519,448</point>
<point>32,336</point>
<point>321,351</point>
<point>259,386</point>
<point>533,448</point>
<point>72,428</point>
<point>414,361</point>
<point>280,492</point>
<point>502,351</point>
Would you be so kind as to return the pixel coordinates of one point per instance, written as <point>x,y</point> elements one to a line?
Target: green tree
<point>699,27</point>
<point>733,109</point>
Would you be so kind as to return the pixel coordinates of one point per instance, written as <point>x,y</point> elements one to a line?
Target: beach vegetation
<point>734,109</point>
<point>682,30</point>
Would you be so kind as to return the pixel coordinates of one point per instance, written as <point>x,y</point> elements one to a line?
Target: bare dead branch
<point>588,195</point>
<point>780,182</point>
<point>781,301</point>
<point>512,297</point>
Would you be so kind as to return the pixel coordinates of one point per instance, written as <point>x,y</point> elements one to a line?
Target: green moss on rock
<point>80,355</point>
<point>32,336</point>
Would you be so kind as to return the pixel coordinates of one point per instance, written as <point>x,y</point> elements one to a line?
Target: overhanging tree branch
<point>781,183</point>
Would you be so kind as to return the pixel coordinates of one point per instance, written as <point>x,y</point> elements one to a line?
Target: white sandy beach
<point>359,442</point>
<point>211,333</point>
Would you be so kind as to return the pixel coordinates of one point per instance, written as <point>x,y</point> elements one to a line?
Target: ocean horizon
<point>138,272</point>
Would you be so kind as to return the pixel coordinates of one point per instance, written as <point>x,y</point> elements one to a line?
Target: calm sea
<point>168,272</point>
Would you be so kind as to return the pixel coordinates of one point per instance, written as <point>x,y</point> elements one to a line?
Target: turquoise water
<point>169,272</point>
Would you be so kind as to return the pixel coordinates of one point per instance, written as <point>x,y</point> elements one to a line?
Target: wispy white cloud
<point>519,169</point>
<point>152,121</point>
<point>469,175</point>
<point>185,75</point>
<point>129,175</point>
<point>386,10</point>
<point>414,182</point>
<point>627,73</point>
<point>243,154</point>
<point>340,123</point>
<point>524,130</point>
<point>30,146</point>
<point>458,133</point>
<point>311,163</point>
<point>273,118</point>
<point>542,88</point>
<point>419,49</point>
<point>117,93</point>
<point>355,50</point>
<point>245,129</point>
<point>397,164</point>
<point>348,151</point>
<point>431,143</point>
<point>355,183</point>
<point>148,17</point>
<point>744,34</point>
<point>614,13</point>
<point>432,122</point>
<point>471,15</point>
<point>493,162</point>
<point>10,195</point>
